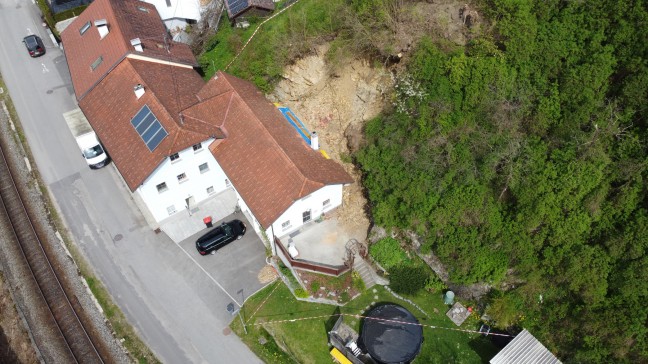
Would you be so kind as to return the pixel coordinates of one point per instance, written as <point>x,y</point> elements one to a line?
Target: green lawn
<point>305,340</point>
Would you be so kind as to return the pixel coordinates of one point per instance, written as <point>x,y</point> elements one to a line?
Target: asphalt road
<point>175,298</point>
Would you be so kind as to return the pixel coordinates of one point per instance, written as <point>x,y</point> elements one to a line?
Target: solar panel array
<point>236,6</point>
<point>149,128</point>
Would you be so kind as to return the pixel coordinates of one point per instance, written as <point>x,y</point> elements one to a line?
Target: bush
<point>388,253</point>
<point>301,293</point>
<point>345,297</point>
<point>315,286</point>
<point>408,279</point>
<point>434,284</point>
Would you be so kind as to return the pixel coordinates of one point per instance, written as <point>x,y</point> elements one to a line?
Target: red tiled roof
<point>125,22</point>
<point>112,104</point>
<point>267,161</point>
<point>263,156</point>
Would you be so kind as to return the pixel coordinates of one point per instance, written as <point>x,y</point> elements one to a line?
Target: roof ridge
<point>222,123</point>
<point>283,152</point>
<point>118,28</point>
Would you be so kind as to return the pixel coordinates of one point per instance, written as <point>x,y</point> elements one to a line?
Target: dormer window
<point>137,44</point>
<point>102,27</point>
<point>197,147</point>
<point>174,157</point>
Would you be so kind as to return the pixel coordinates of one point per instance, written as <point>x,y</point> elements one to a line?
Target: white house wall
<point>313,202</point>
<point>178,9</point>
<point>162,204</point>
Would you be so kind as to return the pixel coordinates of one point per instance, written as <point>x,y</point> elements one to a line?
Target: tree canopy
<point>521,158</point>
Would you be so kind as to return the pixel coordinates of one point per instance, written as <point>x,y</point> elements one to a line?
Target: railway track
<point>64,321</point>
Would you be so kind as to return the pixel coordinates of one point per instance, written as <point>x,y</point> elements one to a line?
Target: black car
<point>34,45</point>
<point>220,236</point>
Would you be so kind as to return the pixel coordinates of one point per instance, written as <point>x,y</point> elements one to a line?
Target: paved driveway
<point>235,267</point>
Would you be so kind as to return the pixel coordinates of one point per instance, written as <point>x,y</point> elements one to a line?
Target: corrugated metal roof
<point>525,349</point>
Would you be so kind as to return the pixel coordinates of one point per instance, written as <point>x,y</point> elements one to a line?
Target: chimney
<point>139,90</point>
<point>102,27</point>
<point>137,43</point>
<point>314,140</point>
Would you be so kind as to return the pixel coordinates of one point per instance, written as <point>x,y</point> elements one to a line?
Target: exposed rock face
<point>337,107</point>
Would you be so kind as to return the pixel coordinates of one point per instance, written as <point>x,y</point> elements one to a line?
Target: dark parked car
<point>220,236</point>
<point>34,45</point>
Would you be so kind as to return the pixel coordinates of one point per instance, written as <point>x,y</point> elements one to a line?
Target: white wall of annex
<point>178,9</point>
<point>313,202</point>
<point>195,185</point>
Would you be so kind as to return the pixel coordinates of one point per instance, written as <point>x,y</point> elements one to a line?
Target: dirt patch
<point>337,106</point>
<point>340,289</point>
<point>267,274</point>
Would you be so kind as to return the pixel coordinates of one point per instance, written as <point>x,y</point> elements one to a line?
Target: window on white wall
<point>162,187</point>
<point>203,167</point>
<point>285,225</point>
<point>171,210</point>
<point>210,190</point>
<point>306,215</point>
<point>174,157</point>
<point>182,177</point>
<point>227,183</point>
<point>326,203</point>
<point>197,147</point>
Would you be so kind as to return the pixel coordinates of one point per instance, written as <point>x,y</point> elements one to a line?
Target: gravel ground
<point>28,302</point>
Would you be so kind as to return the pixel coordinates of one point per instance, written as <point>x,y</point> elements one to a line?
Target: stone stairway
<point>365,271</point>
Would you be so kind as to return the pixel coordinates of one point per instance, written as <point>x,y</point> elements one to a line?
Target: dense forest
<point>521,159</point>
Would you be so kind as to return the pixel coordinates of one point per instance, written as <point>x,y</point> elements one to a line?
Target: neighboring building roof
<point>238,7</point>
<point>90,57</point>
<point>524,349</point>
<point>262,155</point>
<point>112,104</point>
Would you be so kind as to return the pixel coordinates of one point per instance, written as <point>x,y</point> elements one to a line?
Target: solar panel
<point>236,6</point>
<point>149,128</point>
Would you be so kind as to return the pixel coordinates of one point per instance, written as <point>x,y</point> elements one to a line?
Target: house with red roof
<point>177,140</point>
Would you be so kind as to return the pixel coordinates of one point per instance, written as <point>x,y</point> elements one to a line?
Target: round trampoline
<point>391,334</point>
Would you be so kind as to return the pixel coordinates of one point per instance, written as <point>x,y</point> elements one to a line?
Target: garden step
<point>365,273</point>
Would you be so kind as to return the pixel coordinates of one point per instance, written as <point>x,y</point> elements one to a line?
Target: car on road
<point>34,45</point>
<point>220,236</point>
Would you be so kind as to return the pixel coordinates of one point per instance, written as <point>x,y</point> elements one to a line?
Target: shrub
<point>344,297</point>
<point>301,293</point>
<point>315,286</point>
<point>434,284</point>
<point>388,253</point>
<point>408,279</point>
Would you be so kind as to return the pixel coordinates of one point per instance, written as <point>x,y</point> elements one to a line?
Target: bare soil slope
<point>337,106</point>
<point>337,103</point>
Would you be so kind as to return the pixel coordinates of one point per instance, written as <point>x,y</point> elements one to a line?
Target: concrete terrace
<point>319,242</point>
<point>184,224</point>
